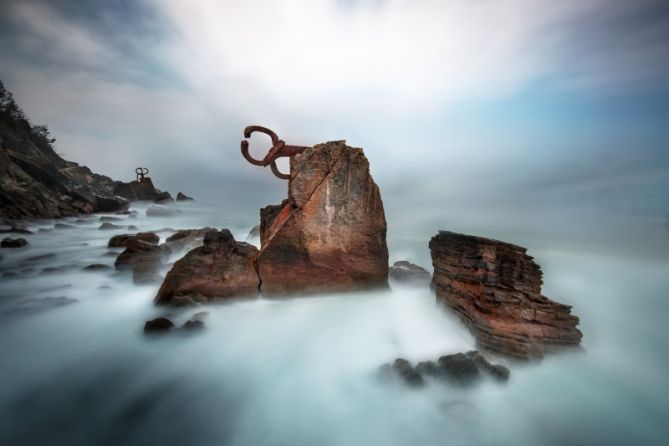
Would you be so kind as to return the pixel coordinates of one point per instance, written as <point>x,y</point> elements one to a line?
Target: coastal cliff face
<point>495,288</point>
<point>330,234</point>
<point>36,182</point>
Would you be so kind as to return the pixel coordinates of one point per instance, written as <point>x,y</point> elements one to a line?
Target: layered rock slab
<point>495,288</point>
<point>330,234</point>
<point>221,268</point>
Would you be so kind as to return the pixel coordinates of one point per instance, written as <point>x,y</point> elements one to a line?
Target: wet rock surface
<point>330,234</point>
<point>219,269</point>
<point>143,259</point>
<point>122,240</point>
<point>495,288</point>
<point>406,272</point>
<point>9,242</point>
<point>137,190</point>
<point>158,325</point>
<point>460,369</point>
<point>183,197</point>
<point>187,238</point>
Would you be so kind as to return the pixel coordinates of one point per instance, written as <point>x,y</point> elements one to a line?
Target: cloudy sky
<point>534,106</point>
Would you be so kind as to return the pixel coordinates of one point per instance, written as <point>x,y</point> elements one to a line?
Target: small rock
<point>97,267</point>
<point>193,325</point>
<point>163,196</point>
<point>109,226</point>
<point>16,230</point>
<point>407,272</point>
<point>183,197</point>
<point>132,228</point>
<point>459,368</point>
<point>13,242</point>
<point>110,219</point>
<point>63,226</point>
<point>160,211</point>
<point>405,371</point>
<point>158,325</point>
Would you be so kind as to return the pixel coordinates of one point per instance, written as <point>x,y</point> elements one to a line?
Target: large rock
<point>495,288</point>
<point>221,268</point>
<point>330,234</point>
<point>137,190</point>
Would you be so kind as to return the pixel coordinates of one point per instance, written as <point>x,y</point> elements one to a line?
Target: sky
<point>534,112</point>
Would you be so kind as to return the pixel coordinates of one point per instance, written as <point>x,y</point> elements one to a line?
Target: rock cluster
<point>221,268</point>
<point>330,234</point>
<point>460,368</point>
<point>495,288</point>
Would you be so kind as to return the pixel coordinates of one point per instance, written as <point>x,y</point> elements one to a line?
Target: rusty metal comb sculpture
<point>141,172</point>
<point>279,149</point>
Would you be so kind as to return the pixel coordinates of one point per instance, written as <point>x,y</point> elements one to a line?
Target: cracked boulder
<point>221,268</point>
<point>330,234</point>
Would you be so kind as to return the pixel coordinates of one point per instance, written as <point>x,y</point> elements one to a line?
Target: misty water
<point>77,369</point>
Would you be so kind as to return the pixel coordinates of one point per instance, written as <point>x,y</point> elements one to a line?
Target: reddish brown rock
<point>122,240</point>
<point>330,235</point>
<point>495,288</point>
<point>187,238</point>
<point>220,268</point>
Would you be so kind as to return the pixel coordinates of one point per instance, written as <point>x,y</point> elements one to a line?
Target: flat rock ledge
<point>495,288</point>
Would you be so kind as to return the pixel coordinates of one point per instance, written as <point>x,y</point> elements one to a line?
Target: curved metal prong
<point>277,172</point>
<point>247,155</point>
<point>257,128</point>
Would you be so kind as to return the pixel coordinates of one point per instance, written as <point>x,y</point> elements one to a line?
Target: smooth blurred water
<point>77,369</point>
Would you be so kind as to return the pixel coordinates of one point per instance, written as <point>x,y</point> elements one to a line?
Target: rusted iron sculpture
<point>279,149</point>
<point>141,172</point>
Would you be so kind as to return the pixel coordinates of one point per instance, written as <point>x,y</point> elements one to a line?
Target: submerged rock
<point>97,267</point>
<point>63,226</point>
<point>16,230</point>
<point>330,235</point>
<point>163,196</point>
<point>143,259</point>
<point>221,268</point>
<point>157,210</point>
<point>183,197</point>
<point>495,288</point>
<point>110,226</point>
<point>9,242</point>
<point>193,325</point>
<point>158,325</point>
<point>407,272</point>
<point>460,369</point>
<point>187,238</point>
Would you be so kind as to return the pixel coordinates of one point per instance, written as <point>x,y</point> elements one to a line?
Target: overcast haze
<point>536,113</point>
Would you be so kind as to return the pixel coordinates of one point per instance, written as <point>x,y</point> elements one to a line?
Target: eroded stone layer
<point>495,288</point>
